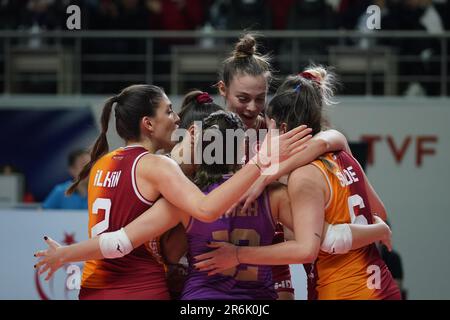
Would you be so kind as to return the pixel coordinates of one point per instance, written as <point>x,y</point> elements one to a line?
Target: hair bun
<point>246,47</point>
<point>325,78</point>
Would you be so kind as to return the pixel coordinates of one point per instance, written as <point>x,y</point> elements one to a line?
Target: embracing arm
<point>358,235</point>
<point>169,180</point>
<point>307,191</point>
<point>323,142</point>
<point>341,238</point>
<point>345,237</point>
<point>155,221</point>
<point>174,244</point>
<point>363,235</point>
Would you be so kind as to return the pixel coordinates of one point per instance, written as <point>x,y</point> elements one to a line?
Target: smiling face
<point>246,96</point>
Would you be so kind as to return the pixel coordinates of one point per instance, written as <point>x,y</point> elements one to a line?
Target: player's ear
<point>192,130</point>
<point>283,128</point>
<point>222,88</point>
<point>147,124</point>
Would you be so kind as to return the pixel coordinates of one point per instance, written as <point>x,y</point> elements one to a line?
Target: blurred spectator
<point>350,12</point>
<point>172,15</point>
<point>303,15</point>
<point>418,67</point>
<point>129,66</point>
<point>280,10</point>
<point>443,8</point>
<point>176,14</point>
<point>9,169</point>
<point>217,15</point>
<point>241,14</point>
<point>10,11</point>
<point>133,15</point>
<point>78,200</point>
<point>104,15</point>
<point>249,14</point>
<point>418,15</point>
<point>40,14</point>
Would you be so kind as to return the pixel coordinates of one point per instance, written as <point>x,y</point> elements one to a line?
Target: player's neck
<point>147,144</point>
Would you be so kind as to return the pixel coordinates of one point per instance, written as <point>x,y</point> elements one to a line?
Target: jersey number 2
<point>101,204</point>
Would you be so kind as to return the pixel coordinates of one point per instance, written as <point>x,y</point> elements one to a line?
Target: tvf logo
<point>73,21</point>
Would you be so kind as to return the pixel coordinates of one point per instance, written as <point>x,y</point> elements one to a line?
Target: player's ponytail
<point>300,99</point>
<point>100,147</point>
<point>325,79</point>
<point>133,103</point>
<point>196,106</point>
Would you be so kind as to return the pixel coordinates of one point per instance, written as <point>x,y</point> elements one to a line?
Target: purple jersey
<point>244,282</point>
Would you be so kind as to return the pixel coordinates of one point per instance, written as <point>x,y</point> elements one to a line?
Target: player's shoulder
<point>156,165</point>
<point>309,176</point>
<point>158,159</point>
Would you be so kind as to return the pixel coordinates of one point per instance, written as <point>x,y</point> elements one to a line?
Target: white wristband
<point>338,239</point>
<point>115,244</point>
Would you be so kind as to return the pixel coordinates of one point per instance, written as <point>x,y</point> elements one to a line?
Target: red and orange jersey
<point>113,202</point>
<point>358,274</point>
<point>281,274</point>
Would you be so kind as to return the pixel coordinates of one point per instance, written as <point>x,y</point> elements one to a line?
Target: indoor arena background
<point>60,60</point>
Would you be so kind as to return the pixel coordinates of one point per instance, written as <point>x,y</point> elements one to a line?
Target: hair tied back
<point>204,97</point>
<point>309,76</point>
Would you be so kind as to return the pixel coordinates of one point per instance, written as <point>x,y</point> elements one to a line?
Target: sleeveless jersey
<point>358,274</point>
<point>244,282</point>
<point>113,202</point>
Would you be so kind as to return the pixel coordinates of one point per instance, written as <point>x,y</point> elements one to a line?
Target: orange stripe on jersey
<point>113,202</point>
<point>353,275</point>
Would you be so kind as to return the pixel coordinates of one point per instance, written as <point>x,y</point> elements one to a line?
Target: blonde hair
<point>245,59</point>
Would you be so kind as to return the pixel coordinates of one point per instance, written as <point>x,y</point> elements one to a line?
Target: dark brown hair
<point>133,103</point>
<point>221,121</point>
<point>193,110</point>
